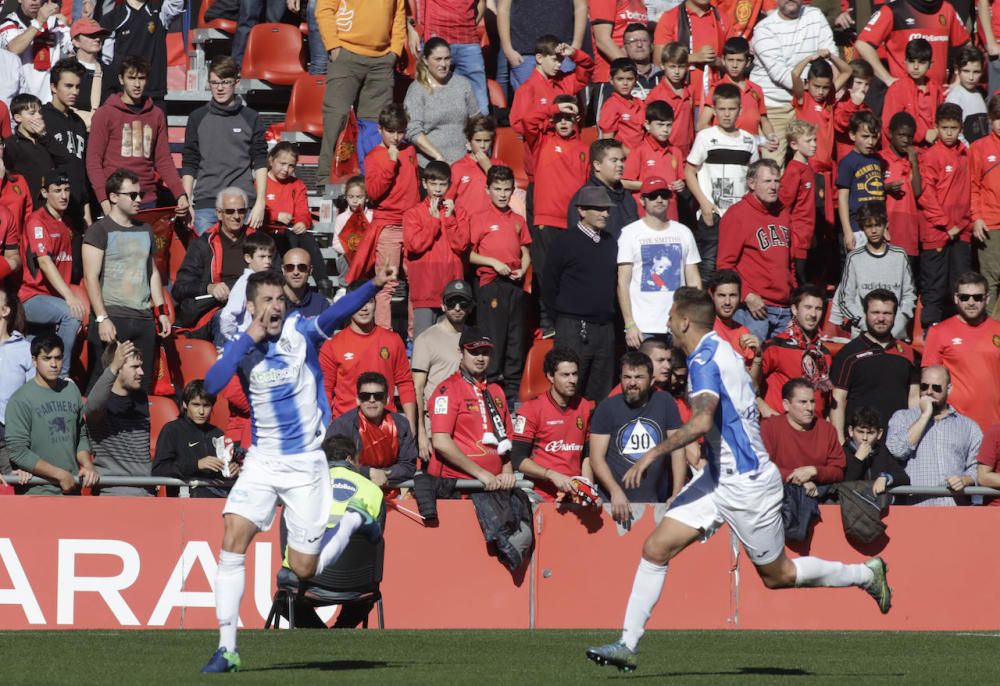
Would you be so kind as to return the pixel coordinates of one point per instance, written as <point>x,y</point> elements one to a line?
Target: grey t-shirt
<point>128,264</point>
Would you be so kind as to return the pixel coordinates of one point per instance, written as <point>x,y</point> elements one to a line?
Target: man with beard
<point>875,369</point>
<point>550,431</point>
<point>659,354</point>
<point>624,427</point>
<point>797,352</point>
<point>725,290</point>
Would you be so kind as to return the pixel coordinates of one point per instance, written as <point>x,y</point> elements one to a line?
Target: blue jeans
<point>317,51</point>
<point>776,321</point>
<point>203,219</point>
<point>468,61</point>
<point>47,309</point>
<point>250,12</point>
<point>520,73</point>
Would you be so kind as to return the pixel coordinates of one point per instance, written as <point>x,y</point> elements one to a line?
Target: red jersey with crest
<point>653,158</point>
<point>752,106</point>
<point>289,196</point>
<point>682,102</point>
<point>622,118</point>
<point>566,162</point>
<point>468,185</point>
<point>558,435</point>
<point>498,234</point>
<point>393,187</point>
<point>347,355</point>
<point>820,114</point>
<point>44,235</point>
<point>619,14</point>
<point>904,218</point>
<point>972,356</point>
<point>706,28</point>
<point>946,194</point>
<point>921,102</point>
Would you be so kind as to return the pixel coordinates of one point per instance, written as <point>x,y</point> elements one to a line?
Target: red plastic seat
<point>497,97</point>
<point>226,25</point>
<point>534,382</point>
<point>510,148</point>
<point>195,357</point>
<point>274,54</point>
<point>918,329</point>
<point>177,253</point>
<point>305,106</point>
<point>161,411</point>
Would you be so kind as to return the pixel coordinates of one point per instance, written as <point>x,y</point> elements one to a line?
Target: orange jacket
<point>372,28</point>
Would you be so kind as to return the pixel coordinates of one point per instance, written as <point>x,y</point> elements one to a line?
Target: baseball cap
<point>86,26</point>
<point>474,338</point>
<point>653,184</point>
<point>458,289</point>
<point>593,196</point>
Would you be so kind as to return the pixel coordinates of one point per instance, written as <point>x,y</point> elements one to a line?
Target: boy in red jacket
<point>753,119</point>
<point>903,186</point>
<point>622,114</point>
<point>391,179</point>
<point>655,156</point>
<point>432,246</point>
<point>500,241</point>
<point>545,83</point>
<point>852,101</point>
<point>915,94</point>
<point>674,90</point>
<point>468,175</point>
<point>945,233</point>
<point>798,193</point>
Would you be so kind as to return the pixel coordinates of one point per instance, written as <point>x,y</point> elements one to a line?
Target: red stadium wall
<point>103,563</point>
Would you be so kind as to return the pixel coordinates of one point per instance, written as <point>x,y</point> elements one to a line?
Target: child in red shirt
<point>914,93</point>
<point>432,246</point>
<point>947,227</point>
<point>622,114</point>
<point>500,241</point>
<point>391,174</point>
<point>286,210</point>
<point>851,102</point>
<point>753,113</point>
<point>902,185</point>
<point>656,157</point>
<point>798,193</point>
<point>674,90</point>
<point>468,175</point>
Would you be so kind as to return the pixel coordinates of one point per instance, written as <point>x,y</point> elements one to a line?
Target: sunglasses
<point>367,397</point>
<point>975,297</point>
<point>132,195</point>
<point>479,351</point>
<point>936,387</point>
<point>234,210</point>
<point>457,303</point>
<point>659,195</point>
<point>289,268</point>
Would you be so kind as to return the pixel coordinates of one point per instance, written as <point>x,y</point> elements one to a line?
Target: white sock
<point>335,539</point>
<point>230,580</point>
<point>813,571</point>
<point>649,580</point>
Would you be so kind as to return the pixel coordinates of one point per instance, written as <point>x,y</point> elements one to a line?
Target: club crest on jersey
<point>284,345</point>
<point>39,232</point>
<point>519,423</point>
<point>996,341</point>
<point>384,353</point>
<point>579,423</point>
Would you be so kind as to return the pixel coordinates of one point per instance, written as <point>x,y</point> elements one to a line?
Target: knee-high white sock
<point>336,538</point>
<point>230,580</point>
<point>646,588</point>
<point>813,571</point>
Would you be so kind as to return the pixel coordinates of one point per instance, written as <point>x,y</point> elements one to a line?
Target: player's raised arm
<point>332,317</point>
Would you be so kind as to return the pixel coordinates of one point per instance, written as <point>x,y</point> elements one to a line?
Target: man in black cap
<point>607,164</point>
<point>579,289</point>
<point>436,355</point>
<point>470,425</point>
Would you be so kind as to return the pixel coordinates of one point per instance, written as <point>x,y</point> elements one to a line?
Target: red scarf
<point>814,367</point>
<point>379,444</point>
<point>353,233</point>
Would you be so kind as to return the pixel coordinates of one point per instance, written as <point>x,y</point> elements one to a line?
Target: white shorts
<point>749,503</point>
<point>300,481</point>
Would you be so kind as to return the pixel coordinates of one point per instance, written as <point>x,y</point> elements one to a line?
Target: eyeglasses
<point>234,210</point>
<point>132,195</point>
<point>224,83</point>
<point>936,387</point>
<point>975,297</point>
<point>289,268</point>
<point>457,303</point>
<point>367,397</point>
<point>632,41</point>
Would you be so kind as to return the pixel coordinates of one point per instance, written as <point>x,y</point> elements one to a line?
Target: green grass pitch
<point>500,657</point>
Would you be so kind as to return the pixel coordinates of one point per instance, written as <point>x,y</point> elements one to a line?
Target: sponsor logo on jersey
<point>560,445</point>
<point>343,490</point>
<point>441,404</point>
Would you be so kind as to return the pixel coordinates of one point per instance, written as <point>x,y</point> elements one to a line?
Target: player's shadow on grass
<point>751,671</point>
<point>332,666</point>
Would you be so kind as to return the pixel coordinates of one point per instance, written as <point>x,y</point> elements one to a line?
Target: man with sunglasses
<point>968,344</point>
<point>214,261</point>
<point>656,256</point>
<point>297,266</point>
<point>436,355</point>
<point>936,444</point>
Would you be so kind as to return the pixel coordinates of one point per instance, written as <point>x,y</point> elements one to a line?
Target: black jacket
<point>878,462</point>
<point>580,276</point>
<point>406,462</point>
<point>179,447</point>
<point>33,159</point>
<point>623,213</point>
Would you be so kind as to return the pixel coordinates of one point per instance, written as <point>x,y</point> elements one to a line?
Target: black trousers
<point>707,239</point>
<point>541,242</point>
<point>501,315</point>
<point>142,332</point>
<point>595,344</point>
<point>933,285</point>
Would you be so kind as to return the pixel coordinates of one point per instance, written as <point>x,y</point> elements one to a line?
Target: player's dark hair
<point>283,147</point>
<point>678,360</point>
<point>675,53</point>
<point>918,50</point>
<point>882,295</point>
<point>860,69</point>
<point>724,276</point>
<point>992,107</point>
<point>108,356</point>
<point>792,385</point>
<point>695,304</point>
<point>600,148</point>
<point>948,111</point>
<point>622,64</point>
<point>479,122</point>
<point>55,177</point>
<point>901,119</point>
<point>394,118</point>
<point>971,278</point>
<point>968,54</point>
<point>659,110</point>
<point>737,45</point>
<point>133,63</point>
<point>498,172</point>
<point>806,290</point>
<point>556,357</point>
<point>375,378</point>
<point>726,91</point>
<point>225,67</point>
<point>634,359</point>
<point>267,277</point>
<point>119,178</point>
<point>67,65</point>
<point>258,240</point>
<point>24,102</point>
<point>46,343</point>
<point>339,448</point>
<point>866,418</point>
<point>820,69</point>
<point>546,44</point>
<point>866,119</point>
<point>436,170</point>
<point>194,390</point>
<point>873,211</point>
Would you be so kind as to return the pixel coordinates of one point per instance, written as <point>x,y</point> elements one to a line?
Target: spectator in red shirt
<point>468,175</point>
<point>803,447</point>
<point>48,261</point>
<point>983,169</point>
<point>366,347</point>
<point>902,185</point>
<point>550,431</point>
<point>698,26</point>
<point>500,240</point>
<point>608,21</point>
<point>914,93</point>
<point>622,114</point>
<point>725,290</point>
<point>470,425</point>
<point>14,193</point>
<point>988,467</point>
<point>656,157</point>
<point>674,90</point>
<point>798,352</point>
<point>798,192</point>
<point>753,112</point>
<point>10,243</point>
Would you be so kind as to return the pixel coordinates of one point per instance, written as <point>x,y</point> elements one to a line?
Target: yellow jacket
<point>372,28</point>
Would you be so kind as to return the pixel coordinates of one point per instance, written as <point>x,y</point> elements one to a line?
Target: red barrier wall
<point>102,563</point>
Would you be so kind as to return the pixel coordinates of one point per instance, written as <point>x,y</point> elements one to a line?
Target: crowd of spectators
<point>835,198</point>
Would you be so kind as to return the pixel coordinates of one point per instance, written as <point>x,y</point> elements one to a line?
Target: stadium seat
<point>533,380</point>
<point>497,97</point>
<point>834,336</point>
<point>161,412</point>
<point>226,25</point>
<point>305,106</point>
<point>194,358</point>
<point>177,252</point>
<point>918,329</point>
<point>510,148</point>
<point>274,54</point>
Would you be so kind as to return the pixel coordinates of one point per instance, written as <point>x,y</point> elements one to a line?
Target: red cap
<point>653,184</point>
<point>87,27</point>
